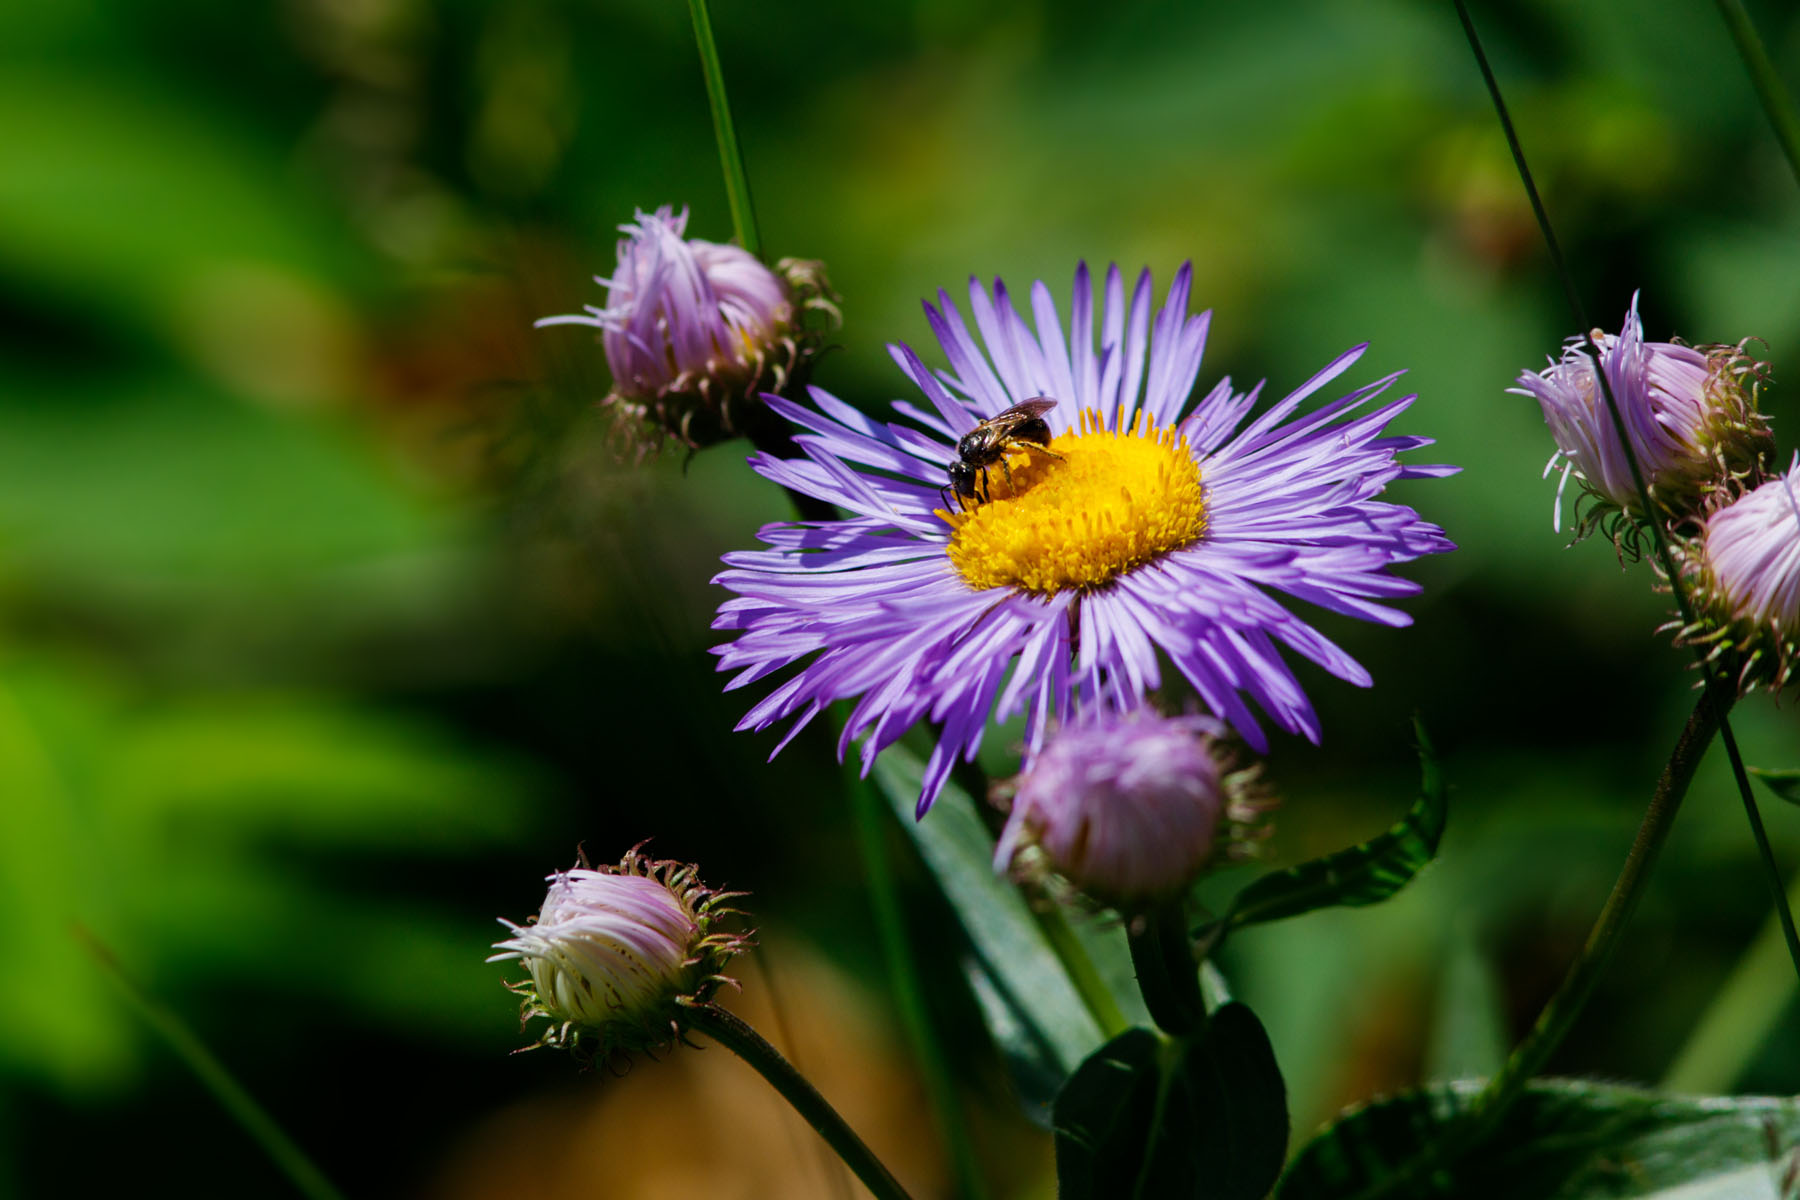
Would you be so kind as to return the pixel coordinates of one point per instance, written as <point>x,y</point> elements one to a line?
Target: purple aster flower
<point>693,330</point>
<point>1690,413</point>
<point>617,953</point>
<point>1150,530</point>
<point>1743,569</point>
<point>1129,809</point>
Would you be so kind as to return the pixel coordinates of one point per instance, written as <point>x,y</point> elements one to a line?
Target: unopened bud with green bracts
<point>1690,416</point>
<point>695,331</point>
<point>617,955</point>
<point>1742,573</point>
<point>1129,810</point>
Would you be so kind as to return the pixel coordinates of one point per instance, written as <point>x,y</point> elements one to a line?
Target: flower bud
<point>1743,574</point>
<point>1689,412</point>
<point>694,331</point>
<point>617,953</point>
<point>1130,809</point>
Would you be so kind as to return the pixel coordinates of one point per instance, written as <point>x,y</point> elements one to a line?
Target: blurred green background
<point>329,623</point>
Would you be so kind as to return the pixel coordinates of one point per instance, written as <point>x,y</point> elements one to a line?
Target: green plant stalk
<point>909,996</point>
<point>739,1038</point>
<point>287,1156</point>
<point>1084,977</point>
<point>1712,685</point>
<point>1167,972</point>
<point>1571,996</point>
<point>1746,1009</point>
<point>731,157</point>
<point>1777,104</point>
<point>1560,1014</point>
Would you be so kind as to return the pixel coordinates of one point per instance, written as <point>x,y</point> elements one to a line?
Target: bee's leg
<point>1045,450</point>
<point>987,490</point>
<point>1006,469</point>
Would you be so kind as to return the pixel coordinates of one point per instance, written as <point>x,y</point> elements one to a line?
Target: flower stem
<point>1565,1006</point>
<point>1559,1015</point>
<point>1166,971</point>
<point>737,1036</point>
<point>1713,686</point>
<point>288,1158</point>
<point>1079,967</point>
<point>1776,103</point>
<point>903,975</point>
<point>731,158</point>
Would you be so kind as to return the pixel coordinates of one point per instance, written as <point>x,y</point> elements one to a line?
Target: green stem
<point>1776,103</point>
<point>731,157</point>
<point>1166,971</point>
<point>1082,973</point>
<point>288,1158</point>
<point>902,970</point>
<point>1745,1010</point>
<point>1565,1006</point>
<point>1665,556</point>
<point>1559,1015</point>
<point>736,1036</point>
<point>1784,912</point>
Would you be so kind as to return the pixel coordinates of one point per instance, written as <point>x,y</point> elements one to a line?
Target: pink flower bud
<point>1128,809</point>
<point>1743,572</point>
<point>693,330</point>
<point>617,953</point>
<point>1689,413</point>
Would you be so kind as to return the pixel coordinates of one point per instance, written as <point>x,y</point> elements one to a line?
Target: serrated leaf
<point>1784,782</point>
<point>1031,1009</point>
<point>1149,1116</point>
<point>1363,874</point>
<point>1561,1140</point>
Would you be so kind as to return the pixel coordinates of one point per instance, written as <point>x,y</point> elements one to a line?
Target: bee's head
<point>962,478</point>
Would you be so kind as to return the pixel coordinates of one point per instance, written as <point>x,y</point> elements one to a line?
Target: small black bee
<point>988,443</point>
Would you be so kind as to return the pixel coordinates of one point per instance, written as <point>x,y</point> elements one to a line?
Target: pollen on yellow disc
<point>1113,501</point>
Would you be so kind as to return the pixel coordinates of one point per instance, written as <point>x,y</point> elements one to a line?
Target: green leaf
<point>1361,875</point>
<point>1561,1140</point>
<point>1784,782</point>
<point>1031,1009</point>
<point>1199,1116</point>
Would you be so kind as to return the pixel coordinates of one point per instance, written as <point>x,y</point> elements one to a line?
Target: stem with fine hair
<point>739,1038</point>
<point>1559,1015</point>
<point>255,1120</point>
<point>1777,104</point>
<point>1712,685</point>
<point>1167,973</point>
<point>909,996</point>
<point>731,158</point>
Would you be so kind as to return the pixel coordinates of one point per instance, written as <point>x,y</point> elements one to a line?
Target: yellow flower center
<point>1112,502</point>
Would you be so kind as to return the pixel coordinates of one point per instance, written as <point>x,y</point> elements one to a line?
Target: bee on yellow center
<point>1100,503</point>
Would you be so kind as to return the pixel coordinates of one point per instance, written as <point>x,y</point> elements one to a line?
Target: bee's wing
<point>1036,407</point>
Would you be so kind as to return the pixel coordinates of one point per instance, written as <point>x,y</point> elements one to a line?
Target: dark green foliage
<point>1149,1116</point>
<point>1783,782</point>
<point>1363,874</point>
<point>1562,1140</point>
